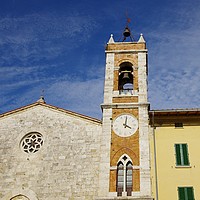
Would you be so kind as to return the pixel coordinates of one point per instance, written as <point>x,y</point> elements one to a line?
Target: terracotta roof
<point>52,107</point>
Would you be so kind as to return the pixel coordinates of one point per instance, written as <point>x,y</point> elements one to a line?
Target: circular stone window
<point>32,142</point>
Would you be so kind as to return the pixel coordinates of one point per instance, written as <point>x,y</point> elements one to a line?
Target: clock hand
<point>125,123</point>
<point>128,126</point>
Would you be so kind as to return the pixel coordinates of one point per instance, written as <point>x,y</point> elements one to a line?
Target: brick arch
<point>119,62</point>
<point>122,151</point>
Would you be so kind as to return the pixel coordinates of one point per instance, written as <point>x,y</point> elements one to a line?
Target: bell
<point>125,75</point>
<point>126,32</point>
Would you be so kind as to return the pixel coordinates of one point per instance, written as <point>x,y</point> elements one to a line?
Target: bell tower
<point>125,163</point>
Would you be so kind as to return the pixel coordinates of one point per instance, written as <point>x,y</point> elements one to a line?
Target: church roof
<point>43,103</point>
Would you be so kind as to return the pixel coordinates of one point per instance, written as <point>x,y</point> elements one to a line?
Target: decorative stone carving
<point>32,142</point>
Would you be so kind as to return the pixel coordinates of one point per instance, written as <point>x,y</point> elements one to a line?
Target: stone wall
<point>65,167</point>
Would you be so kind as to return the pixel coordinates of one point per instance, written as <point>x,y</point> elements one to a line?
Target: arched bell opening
<point>125,84</point>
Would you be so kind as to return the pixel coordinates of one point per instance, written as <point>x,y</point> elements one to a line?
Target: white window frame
<point>124,162</point>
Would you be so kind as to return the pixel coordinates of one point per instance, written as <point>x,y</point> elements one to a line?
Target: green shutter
<point>178,154</point>
<point>181,193</point>
<point>185,193</point>
<point>190,193</point>
<point>181,154</point>
<point>185,154</point>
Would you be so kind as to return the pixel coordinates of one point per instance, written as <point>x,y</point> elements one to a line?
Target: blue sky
<point>58,46</point>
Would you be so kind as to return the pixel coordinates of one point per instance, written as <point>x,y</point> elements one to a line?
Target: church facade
<point>136,153</point>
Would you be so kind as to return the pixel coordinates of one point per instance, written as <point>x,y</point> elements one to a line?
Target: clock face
<point>125,125</point>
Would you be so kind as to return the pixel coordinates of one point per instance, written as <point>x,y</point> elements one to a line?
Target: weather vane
<point>128,20</point>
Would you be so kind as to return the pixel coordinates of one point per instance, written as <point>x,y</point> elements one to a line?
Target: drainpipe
<point>155,160</point>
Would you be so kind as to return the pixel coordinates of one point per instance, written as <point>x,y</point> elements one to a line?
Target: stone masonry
<point>65,167</point>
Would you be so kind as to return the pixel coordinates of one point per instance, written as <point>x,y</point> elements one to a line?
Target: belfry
<point>125,120</point>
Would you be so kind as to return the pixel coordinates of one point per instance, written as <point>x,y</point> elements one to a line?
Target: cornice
<point>127,51</point>
<point>50,107</point>
<point>124,105</point>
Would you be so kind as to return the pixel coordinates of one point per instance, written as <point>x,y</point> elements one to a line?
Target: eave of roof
<point>191,111</point>
<point>51,107</point>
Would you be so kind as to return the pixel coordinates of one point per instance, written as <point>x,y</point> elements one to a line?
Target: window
<point>179,125</point>
<point>129,178</point>
<point>124,176</point>
<point>32,142</point>
<point>186,193</point>
<point>182,155</point>
<point>120,179</point>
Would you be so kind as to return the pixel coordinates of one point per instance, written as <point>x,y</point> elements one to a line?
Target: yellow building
<point>175,163</point>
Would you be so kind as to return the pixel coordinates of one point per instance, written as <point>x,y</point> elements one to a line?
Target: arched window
<point>120,178</point>
<point>129,178</point>
<point>124,176</point>
<point>125,84</point>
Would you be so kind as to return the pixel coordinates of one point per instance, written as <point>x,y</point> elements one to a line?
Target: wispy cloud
<point>83,96</point>
<point>174,62</point>
<point>35,27</point>
<point>175,89</point>
<point>28,47</point>
<point>41,36</point>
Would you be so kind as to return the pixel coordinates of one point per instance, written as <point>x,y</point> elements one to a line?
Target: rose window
<point>32,142</point>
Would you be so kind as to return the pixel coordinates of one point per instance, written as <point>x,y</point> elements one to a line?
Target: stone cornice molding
<point>124,105</point>
<point>52,108</point>
<point>127,51</point>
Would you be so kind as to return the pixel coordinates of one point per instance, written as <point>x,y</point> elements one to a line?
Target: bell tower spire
<point>125,167</point>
